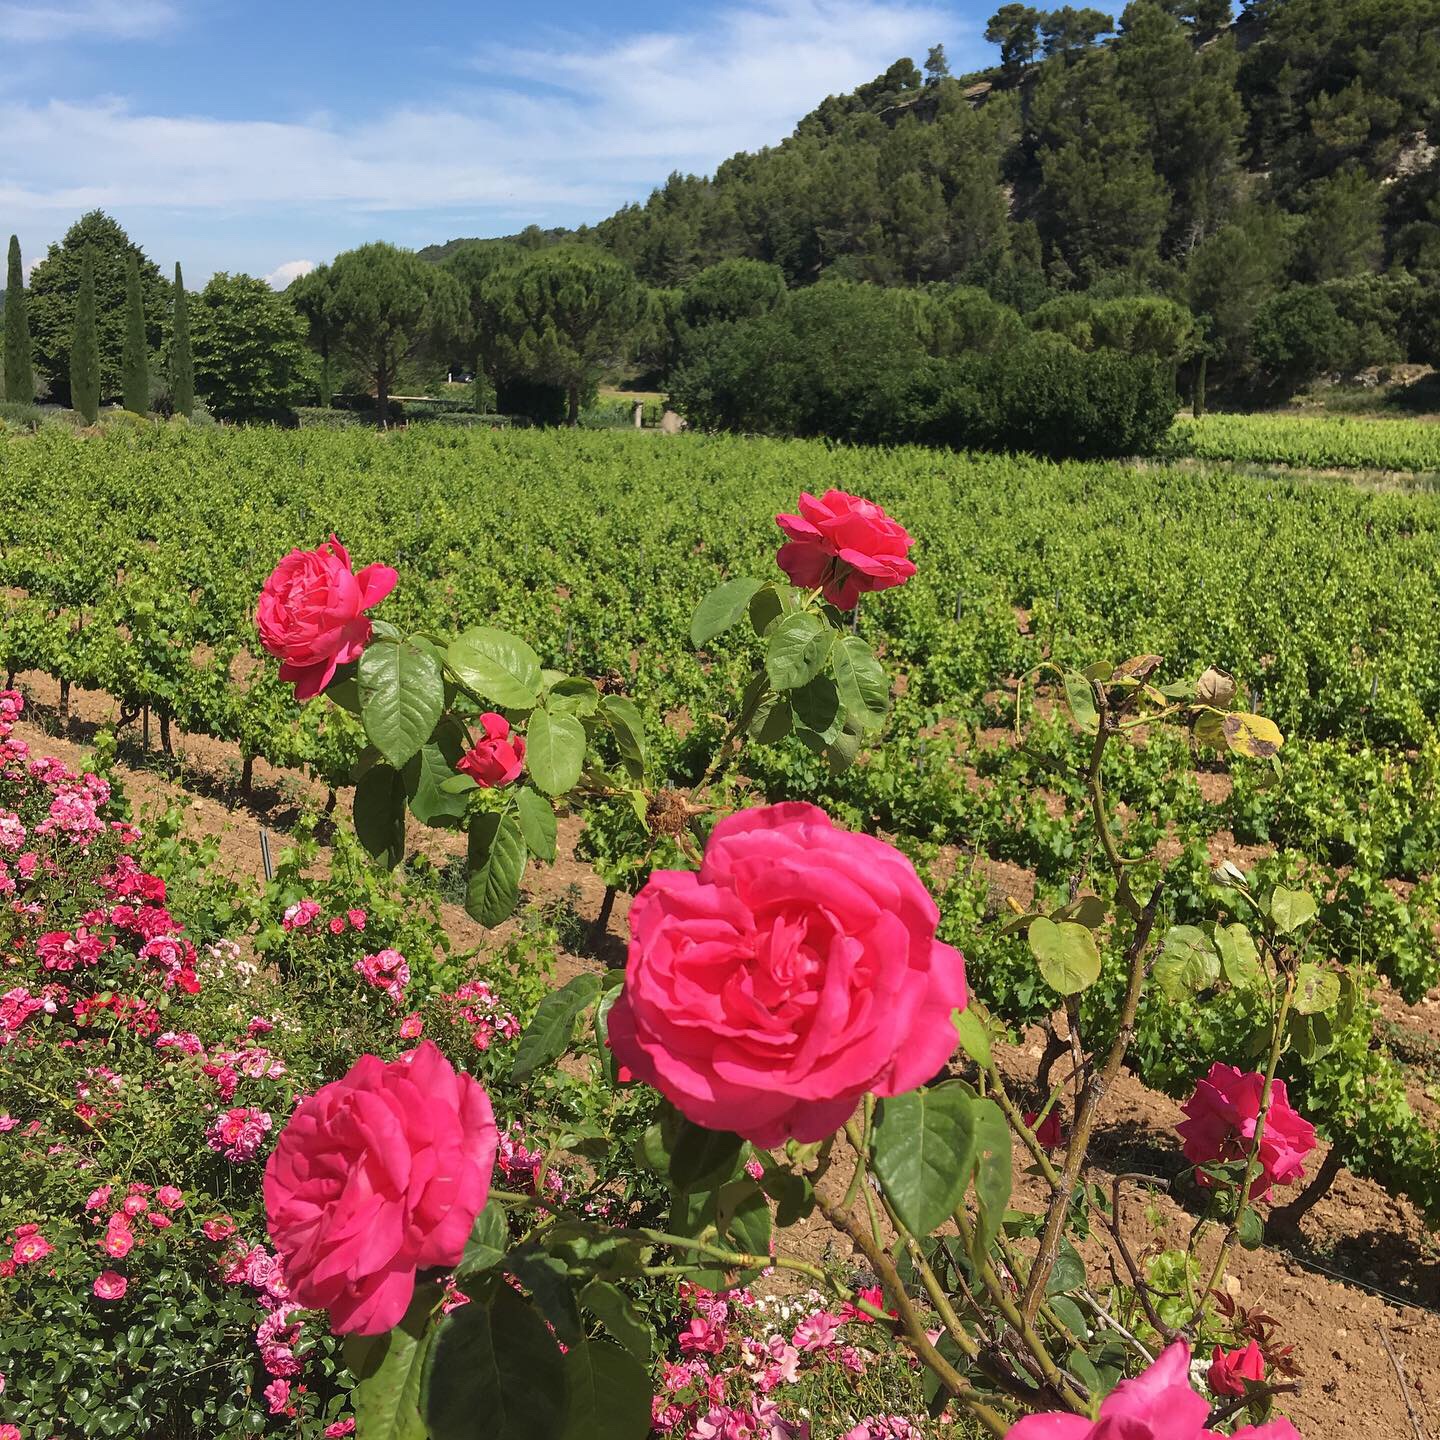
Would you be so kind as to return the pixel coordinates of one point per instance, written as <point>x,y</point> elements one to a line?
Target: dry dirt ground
<point>1359,1269</point>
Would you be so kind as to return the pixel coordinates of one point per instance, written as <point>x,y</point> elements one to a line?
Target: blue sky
<point>265,136</point>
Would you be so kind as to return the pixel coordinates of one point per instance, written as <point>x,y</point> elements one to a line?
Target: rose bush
<point>796,971</point>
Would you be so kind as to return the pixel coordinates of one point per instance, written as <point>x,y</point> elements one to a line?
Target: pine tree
<point>85,348</point>
<point>135,358</point>
<point>19,373</point>
<point>182,361</point>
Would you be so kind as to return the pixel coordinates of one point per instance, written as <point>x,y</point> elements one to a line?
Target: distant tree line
<point>1035,255</point>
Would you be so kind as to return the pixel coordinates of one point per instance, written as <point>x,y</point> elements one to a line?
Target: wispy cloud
<point>554,135</point>
<point>71,19</point>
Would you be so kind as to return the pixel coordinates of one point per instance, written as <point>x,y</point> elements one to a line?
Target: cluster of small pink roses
<point>476,1006</point>
<point>387,971</point>
<point>304,913</point>
<point>742,1355</point>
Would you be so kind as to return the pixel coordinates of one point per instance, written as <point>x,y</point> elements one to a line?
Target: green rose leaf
<point>993,1174</point>
<point>1067,954</point>
<point>615,1310</point>
<point>627,726</point>
<point>554,751</point>
<point>488,1242</point>
<point>380,814</point>
<point>797,650</point>
<point>388,1370</point>
<point>494,1364</point>
<point>428,773</point>
<point>497,666</point>
<point>974,1036</point>
<point>864,691</point>
<point>496,861</point>
<point>723,607</point>
<point>548,1035</point>
<point>402,696</point>
<point>608,1393</point>
<point>924,1152</point>
<point>537,823</point>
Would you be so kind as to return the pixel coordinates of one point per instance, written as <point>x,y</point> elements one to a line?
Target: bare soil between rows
<point>1358,1263</point>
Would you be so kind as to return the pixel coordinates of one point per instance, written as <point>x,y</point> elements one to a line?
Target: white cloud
<point>290,270</point>
<point>28,24</point>
<point>555,135</point>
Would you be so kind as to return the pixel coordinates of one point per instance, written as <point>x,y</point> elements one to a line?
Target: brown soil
<point>1357,1262</point>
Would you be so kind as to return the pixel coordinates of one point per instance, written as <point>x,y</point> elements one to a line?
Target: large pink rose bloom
<point>844,545</point>
<point>1161,1404</point>
<point>1221,1126</point>
<point>798,970</point>
<point>311,613</point>
<point>378,1175</point>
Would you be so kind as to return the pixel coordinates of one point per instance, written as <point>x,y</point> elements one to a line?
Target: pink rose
<point>798,970</point>
<point>170,1197</point>
<point>377,1175</point>
<point>1221,1126</point>
<point>219,1229</point>
<point>844,545</point>
<point>497,759</point>
<point>10,1432</point>
<point>277,1392</point>
<point>1051,1133</point>
<point>110,1286</point>
<point>1158,1405</point>
<point>311,613</point>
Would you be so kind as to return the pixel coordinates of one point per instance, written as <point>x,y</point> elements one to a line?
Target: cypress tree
<point>182,361</point>
<point>19,374</point>
<point>85,348</point>
<point>135,358</point>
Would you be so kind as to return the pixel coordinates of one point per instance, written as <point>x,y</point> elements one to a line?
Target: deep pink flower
<point>357,921</point>
<point>1230,1369</point>
<point>311,613</point>
<point>170,1197</point>
<point>119,1240</point>
<point>238,1133</point>
<point>375,1176</point>
<point>340,1429</point>
<point>110,1285</point>
<point>1221,1126</point>
<point>10,1432</point>
<point>844,545</point>
<point>700,1337</point>
<point>498,757</point>
<point>277,1392</point>
<point>30,1247</point>
<point>411,1027</point>
<point>221,1228</point>
<point>1161,1404</point>
<point>797,971</point>
<point>1051,1133</point>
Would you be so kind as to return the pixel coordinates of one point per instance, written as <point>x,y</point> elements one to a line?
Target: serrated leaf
<point>495,864</point>
<point>554,751</point>
<point>608,1394</point>
<point>428,773</point>
<point>816,704</point>
<point>495,1365</point>
<point>860,682</point>
<point>766,607</point>
<point>701,1159</point>
<point>380,814</point>
<point>614,1309</point>
<point>497,666</point>
<point>548,1035</point>
<point>974,1036</point>
<point>388,1372</point>
<point>721,608</point>
<point>1250,1230</point>
<point>402,697</point>
<point>797,650</point>
<point>488,1242</point>
<point>1067,954</point>
<point>537,823</point>
<point>924,1152</point>
<point>993,1174</point>
<point>772,721</point>
<point>627,726</point>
